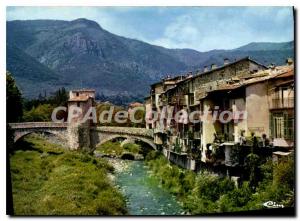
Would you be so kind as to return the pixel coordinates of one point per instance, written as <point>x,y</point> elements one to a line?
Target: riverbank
<point>49,180</point>
<point>205,193</point>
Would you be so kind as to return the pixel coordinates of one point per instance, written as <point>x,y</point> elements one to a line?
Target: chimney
<point>289,61</point>
<point>213,66</point>
<point>226,61</point>
<point>205,69</point>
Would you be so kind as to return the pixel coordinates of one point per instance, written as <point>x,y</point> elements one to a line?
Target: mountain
<point>267,46</point>
<point>29,73</point>
<point>80,53</point>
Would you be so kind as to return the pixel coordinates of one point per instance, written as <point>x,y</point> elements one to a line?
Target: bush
<point>235,199</point>
<point>115,149</point>
<point>111,148</point>
<point>211,187</point>
<point>132,148</point>
<point>152,155</point>
<point>40,113</point>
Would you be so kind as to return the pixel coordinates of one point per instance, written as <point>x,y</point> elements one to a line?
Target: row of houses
<point>198,119</point>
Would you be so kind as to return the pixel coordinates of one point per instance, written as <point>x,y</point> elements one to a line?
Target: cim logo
<point>272,204</point>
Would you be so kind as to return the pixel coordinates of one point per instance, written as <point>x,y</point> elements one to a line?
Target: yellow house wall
<point>257,109</point>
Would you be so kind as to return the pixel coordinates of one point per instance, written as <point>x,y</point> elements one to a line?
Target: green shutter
<point>271,125</point>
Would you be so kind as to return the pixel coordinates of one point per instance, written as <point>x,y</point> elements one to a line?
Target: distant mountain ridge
<point>267,46</point>
<point>80,53</point>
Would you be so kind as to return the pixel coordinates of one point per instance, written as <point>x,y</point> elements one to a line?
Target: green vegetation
<point>41,109</point>
<point>120,99</point>
<point>40,113</point>
<point>208,193</point>
<point>115,149</point>
<point>49,180</point>
<point>14,107</point>
<point>139,114</point>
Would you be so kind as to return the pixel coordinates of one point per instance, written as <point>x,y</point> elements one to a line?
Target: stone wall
<point>182,160</point>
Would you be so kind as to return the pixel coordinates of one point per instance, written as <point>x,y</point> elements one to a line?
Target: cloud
<point>227,28</point>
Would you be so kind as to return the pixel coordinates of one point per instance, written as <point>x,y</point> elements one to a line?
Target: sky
<point>199,28</point>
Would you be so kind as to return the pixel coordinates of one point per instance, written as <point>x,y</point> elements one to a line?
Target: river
<point>143,193</point>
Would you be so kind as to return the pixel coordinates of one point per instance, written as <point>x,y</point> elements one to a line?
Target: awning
<point>280,153</point>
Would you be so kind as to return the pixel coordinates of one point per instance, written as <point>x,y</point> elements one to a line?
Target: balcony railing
<point>282,103</point>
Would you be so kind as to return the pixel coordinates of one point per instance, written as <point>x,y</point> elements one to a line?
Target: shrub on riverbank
<point>110,148</point>
<point>208,193</point>
<point>51,181</point>
<point>173,178</point>
<point>115,149</point>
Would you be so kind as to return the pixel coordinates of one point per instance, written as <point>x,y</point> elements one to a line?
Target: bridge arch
<point>135,138</point>
<point>21,134</point>
<point>22,129</point>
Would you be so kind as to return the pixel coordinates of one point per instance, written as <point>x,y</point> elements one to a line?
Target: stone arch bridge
<point>96,135</point>
<point>130,134</point>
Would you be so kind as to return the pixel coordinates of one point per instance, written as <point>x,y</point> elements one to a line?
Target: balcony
<point>278,103</point>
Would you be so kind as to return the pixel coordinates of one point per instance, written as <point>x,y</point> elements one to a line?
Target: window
<point>283,97</point>
<point>226,104</point>
<point>77,94</point>
<point>201,106</point>
<point>197,126</point>
<point>78,104</point>
<point>278,127</point>
<point>282,126</point>
<point>289,129</point>
<point>191,99</point>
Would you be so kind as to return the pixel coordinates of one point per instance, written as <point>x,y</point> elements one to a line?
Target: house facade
<point>197,115</point>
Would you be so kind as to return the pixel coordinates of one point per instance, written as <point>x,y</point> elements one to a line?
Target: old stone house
<point>78,131</point>
<point>243,85</point>
<point>84,99</point>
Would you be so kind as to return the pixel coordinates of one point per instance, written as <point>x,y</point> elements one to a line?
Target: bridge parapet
<point>126,130</point>
<point>24,125</point>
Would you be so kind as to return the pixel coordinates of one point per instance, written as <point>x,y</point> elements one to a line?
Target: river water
<point>143,193</point>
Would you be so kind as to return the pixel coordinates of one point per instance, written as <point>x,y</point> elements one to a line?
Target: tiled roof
<point>80,98</point>
<point>279,72</point>
<point>135,104</point>
<point>84,90</point>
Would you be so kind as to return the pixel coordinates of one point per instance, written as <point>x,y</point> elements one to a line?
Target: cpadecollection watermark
<point>165,115</point>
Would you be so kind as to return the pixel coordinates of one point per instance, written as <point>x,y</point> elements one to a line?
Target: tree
<point>14,108</point>
<point>40,113</point>
<point>59,98</point>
